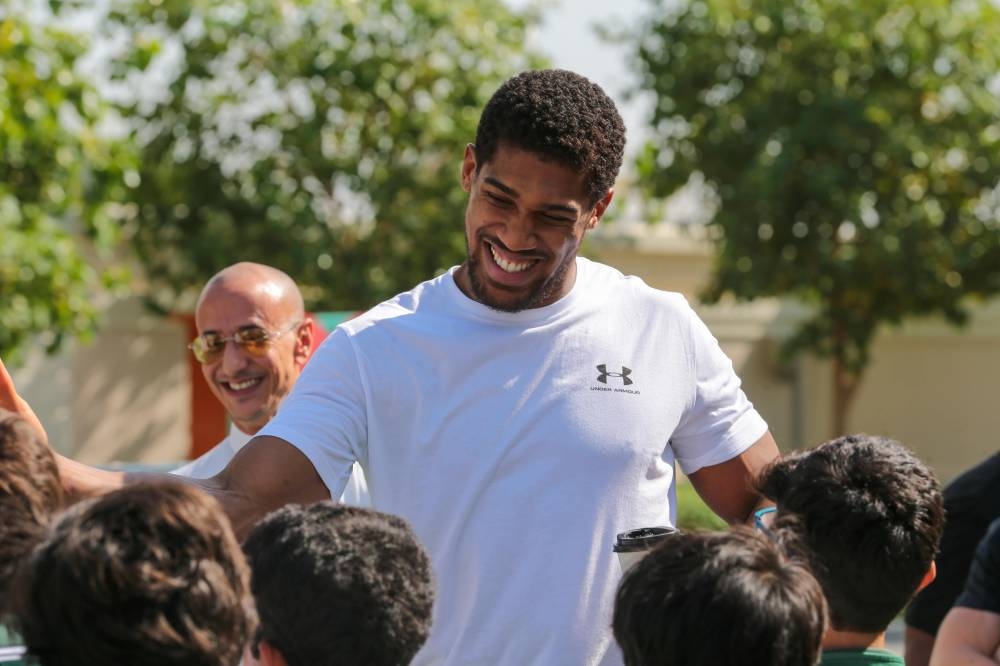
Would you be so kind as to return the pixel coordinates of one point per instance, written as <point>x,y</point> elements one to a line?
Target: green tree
<point>323,137</point>
<point>60,179</point>
<point>853,149</point>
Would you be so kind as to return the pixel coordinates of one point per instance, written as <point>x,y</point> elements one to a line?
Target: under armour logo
<point>603,377</point>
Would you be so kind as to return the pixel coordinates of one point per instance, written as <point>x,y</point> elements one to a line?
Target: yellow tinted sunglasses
<point>209,347</point>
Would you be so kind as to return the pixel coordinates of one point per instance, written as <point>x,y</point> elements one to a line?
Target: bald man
<point>254,337</point>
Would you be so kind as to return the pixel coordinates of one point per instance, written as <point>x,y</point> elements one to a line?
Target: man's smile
<point>241,386</point>
<point>510,266</point>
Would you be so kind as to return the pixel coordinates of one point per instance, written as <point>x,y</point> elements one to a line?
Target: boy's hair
<point>340,584</point>
<point>558,115</point>
<point>30,494</point>
<point>729,598</point>
<point>150,574</point>
<point>870,516</point>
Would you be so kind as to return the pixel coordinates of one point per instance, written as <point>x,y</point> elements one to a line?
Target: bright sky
<point>568,37</point>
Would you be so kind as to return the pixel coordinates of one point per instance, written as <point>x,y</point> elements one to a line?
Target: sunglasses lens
<point>207,348</point>
<point>254,340</point>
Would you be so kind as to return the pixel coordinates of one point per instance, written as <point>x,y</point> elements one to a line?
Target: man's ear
<point>599,208</point>
<point>929,576</point>
<point>468,167</point>
<point>304,341</point>
<point>270,656</point>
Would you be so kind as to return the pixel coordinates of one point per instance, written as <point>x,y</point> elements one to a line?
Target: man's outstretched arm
<point>265,475</point>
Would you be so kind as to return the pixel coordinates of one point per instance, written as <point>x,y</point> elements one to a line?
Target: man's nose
<point>234,357</point>
<point>518,233</point>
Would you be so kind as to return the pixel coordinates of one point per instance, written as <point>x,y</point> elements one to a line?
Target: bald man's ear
<point>304,342</point>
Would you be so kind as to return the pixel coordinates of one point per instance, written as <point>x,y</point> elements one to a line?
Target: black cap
<point>642,538</point>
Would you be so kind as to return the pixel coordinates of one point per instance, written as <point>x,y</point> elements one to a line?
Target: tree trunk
<point>845,388</point>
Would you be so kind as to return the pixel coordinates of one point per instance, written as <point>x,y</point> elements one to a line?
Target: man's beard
<point>541,294</point>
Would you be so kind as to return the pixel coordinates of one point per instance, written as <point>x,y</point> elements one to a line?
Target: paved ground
<point>894,637</point>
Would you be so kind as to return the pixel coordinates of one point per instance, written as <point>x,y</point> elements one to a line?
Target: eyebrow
<point>511,192</point>
<point>244,327</point>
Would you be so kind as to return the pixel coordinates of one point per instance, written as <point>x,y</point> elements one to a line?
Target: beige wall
<point>931,386</point>
<point>122,397</point>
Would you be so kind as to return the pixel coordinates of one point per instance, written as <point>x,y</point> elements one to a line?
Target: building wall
<point>121,397</point>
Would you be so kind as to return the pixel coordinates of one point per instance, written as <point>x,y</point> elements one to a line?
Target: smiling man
<point>522,408</point>
<point>254,338</point>
<point>518,410</point>
<point>515,263</point>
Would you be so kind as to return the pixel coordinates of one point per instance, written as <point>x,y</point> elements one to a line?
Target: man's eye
<point>212,341</point>
<point>252,335</point>
<point>557,219</point>
<point>497,201</point>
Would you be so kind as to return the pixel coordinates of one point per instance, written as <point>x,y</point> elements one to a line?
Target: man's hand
<point>10,400</point>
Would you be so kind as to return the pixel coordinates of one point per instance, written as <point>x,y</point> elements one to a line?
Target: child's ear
<point>929,576</point>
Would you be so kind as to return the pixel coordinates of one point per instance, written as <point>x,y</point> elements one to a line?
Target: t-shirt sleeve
<point>719,422</point>
<point>324,416</point>
<point>982,587</point>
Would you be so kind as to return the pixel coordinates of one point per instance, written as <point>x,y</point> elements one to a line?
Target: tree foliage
<point>853,149</point>
<point>59,180</point>
<point>323,137</point>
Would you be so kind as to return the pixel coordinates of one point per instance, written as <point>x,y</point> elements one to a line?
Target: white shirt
<point>518,444</point>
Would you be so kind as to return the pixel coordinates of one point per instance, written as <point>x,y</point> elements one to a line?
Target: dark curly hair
<point>560,115</point>
<point>150,574</point>
<point>30,494</point>
<point>870,515</point>
<point>338,584</point>
<point>734,598</point>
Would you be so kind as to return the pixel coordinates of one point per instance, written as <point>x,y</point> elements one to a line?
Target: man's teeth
<point>509,266</point>
<point>245,384</point>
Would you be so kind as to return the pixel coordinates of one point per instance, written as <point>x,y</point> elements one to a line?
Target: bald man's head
<point>251,372</point>
<point>266,281</point>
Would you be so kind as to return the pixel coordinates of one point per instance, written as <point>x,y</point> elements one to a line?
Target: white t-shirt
<point>519,444</point>
<point>215,460</point>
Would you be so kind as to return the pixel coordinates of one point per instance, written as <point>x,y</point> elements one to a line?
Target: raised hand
<point>10,400</point>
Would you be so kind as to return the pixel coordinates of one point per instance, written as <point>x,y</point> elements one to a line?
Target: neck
<point>247,428</point>
<point>835,639</point>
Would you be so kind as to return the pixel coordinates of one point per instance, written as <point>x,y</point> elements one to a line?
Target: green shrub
<point>692,513</point>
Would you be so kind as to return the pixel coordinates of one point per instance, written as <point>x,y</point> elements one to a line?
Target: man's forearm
<point>727,488</point>
<point>81,481</point>
<point>962,656</point>
<point>967,637</point>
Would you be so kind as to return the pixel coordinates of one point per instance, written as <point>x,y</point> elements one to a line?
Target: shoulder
<point>598,277</point>
<point>425,298</point>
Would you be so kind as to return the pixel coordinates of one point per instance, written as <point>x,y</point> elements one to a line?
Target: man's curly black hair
<point>560,115</point>
<point>339,584</point>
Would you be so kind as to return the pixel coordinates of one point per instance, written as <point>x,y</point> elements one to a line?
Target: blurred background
<point>819,177</point>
